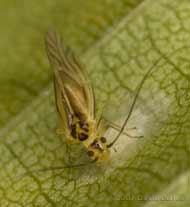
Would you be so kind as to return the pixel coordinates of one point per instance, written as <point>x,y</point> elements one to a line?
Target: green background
<point>118,41</point>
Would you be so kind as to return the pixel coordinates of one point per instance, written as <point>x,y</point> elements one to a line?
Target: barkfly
<point>75,101</point>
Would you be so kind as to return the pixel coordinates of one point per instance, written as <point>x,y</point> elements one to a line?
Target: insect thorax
<point>86,132</point>
<point>80,129</point>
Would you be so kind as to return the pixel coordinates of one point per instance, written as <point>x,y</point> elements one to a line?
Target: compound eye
<point>97,145</point>
<point>90,153</point>
<point>103,139</point>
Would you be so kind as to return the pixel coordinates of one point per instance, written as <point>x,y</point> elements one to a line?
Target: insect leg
<point>118,128</point>
<point>115,125</point>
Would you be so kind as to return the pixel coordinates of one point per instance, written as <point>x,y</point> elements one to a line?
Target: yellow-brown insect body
<point>98,149</point>
<point>86,133</point>
<point>75,99</point>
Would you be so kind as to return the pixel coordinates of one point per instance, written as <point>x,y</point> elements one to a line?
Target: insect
<point>75,101</point>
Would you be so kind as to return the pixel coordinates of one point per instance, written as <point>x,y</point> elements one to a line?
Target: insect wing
<point>71,79</point>
<point>61,106</point>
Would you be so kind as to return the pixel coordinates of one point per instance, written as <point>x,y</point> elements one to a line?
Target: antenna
<point>138,92</point>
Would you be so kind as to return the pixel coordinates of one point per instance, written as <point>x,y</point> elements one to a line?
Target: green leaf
<point>140,170</point>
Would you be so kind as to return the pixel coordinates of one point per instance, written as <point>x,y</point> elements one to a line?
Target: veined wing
<point>71,82</point>
<point>61,107</point>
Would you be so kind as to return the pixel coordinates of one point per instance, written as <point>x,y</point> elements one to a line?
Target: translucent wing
<point>73,90</point>
<point>61,106</point>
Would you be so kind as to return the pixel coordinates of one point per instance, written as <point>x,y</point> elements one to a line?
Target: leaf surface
<point>156,165</point>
